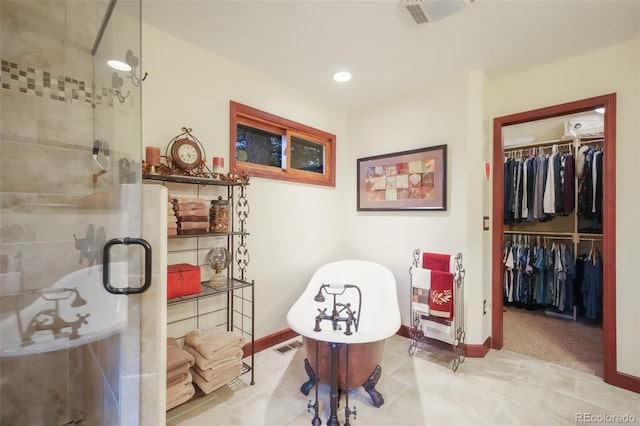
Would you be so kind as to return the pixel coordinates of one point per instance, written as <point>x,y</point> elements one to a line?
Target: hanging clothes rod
<point>590,141</point>
<point>513,237</point>
<point>541,233</point>
<point>591,239</point>
<point>541,143</point>
<point>559,142</point>
<point>537,147</point>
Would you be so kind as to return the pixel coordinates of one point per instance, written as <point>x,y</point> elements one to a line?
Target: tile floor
<point>501,388</point>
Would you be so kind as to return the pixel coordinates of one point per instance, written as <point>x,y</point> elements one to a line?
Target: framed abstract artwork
<point>408,180</point>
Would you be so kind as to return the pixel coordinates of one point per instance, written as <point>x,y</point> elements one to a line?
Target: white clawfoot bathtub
<point>377,314</point>
<point>74,311</point>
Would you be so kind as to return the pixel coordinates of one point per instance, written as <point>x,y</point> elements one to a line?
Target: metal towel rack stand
<point>451,332</point>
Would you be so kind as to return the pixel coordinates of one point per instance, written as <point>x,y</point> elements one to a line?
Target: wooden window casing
<point>255,118</point>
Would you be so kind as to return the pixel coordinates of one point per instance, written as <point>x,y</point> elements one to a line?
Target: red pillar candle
<point>153,155</point>
<point>218,165</point>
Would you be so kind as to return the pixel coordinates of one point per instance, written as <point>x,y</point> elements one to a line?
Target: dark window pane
<point>306,155</point>
<point>258,146</point>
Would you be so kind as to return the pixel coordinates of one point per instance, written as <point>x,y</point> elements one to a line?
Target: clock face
<point>186,154</point>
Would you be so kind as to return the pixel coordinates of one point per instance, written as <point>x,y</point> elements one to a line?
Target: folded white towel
<point>421,277</point>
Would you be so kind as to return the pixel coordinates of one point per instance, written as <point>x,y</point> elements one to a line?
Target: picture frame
<point>407,180</point>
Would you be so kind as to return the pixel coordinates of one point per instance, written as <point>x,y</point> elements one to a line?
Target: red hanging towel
<point>441,295</point>
<point>436,262</point>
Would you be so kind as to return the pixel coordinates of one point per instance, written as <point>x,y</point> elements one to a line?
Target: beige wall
<point>615,69</point>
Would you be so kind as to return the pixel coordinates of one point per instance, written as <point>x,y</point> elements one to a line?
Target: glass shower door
<point>70,181</point>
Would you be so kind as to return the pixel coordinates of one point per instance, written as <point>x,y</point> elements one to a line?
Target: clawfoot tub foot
<point>370,387</point>
<point>313,379</point>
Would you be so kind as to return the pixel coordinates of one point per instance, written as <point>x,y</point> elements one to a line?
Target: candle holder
<point>218,259</point>
<point>153,159</point>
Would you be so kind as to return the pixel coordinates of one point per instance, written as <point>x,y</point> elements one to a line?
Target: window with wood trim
<point>268,146</point>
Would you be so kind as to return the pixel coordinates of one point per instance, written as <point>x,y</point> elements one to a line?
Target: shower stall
<point>82,269</point>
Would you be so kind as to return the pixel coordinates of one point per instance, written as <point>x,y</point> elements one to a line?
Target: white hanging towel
<point>421,283</point>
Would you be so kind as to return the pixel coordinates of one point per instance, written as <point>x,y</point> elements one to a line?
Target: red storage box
<point>183,279</point>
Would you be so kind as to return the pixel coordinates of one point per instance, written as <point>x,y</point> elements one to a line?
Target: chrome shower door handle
<point>147,266</point>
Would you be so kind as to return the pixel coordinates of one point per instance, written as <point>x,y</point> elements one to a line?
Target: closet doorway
<point>608,102</point>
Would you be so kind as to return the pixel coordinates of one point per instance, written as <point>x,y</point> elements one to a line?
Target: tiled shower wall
<point>48,106</point>
<point>47,133</point>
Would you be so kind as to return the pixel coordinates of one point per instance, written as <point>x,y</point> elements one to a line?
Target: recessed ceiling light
<point>599,110</point>
<point>118,65</point>
<point>342,76</point>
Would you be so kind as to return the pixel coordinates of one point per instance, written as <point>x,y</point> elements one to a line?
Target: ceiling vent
<point>423,11</point>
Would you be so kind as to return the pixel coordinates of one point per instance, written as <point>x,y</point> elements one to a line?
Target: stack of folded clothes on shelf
<point>179,379</point>
<point>172,220</point>
<point>192,215</point>
<point>218,355</point>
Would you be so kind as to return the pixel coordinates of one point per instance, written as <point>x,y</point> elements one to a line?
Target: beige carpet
<point>573,344</point>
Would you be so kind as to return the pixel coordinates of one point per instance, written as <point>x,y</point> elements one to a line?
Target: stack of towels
<point>218,357</point>
<point>192,215</point>
<point>179,379</point>
<point>172,220</point>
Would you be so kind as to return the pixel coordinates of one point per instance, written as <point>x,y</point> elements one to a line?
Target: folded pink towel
<point>211,374</point>
<point>231,354</point>
<point>176,388</point>
<point>209,386</point>
<point>177,357</point>
<point>182,396</point>
<point>203,212</point>
<point>210,341</point>
<point>193,225</point>
<point>177,377</point>
<point>201,201</point>
<point>189,206</point>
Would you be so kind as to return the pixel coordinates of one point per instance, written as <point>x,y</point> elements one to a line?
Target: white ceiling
<point>303,42</point>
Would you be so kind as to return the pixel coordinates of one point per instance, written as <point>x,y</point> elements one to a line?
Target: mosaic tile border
<point>43,84</point>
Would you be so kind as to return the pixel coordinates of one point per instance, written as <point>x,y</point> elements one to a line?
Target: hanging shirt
<point>569,187</point>
<point>538,212</point>
<point>525,193</point>
<point>549,201</point>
